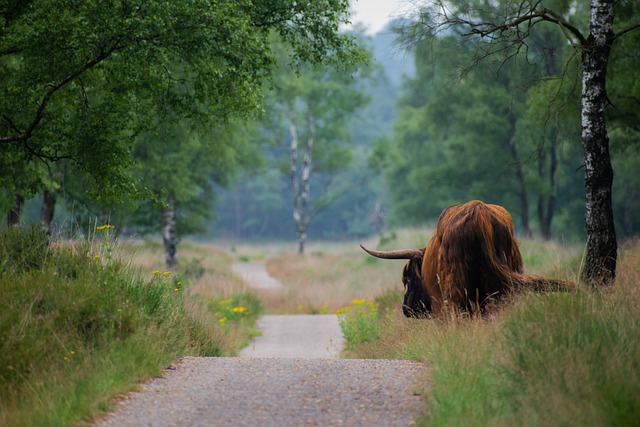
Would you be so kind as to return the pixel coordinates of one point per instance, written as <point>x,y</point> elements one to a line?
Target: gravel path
<point>316,336</point>
<point>289,376</point>
<point>276,392</point>
<point>256,275</point>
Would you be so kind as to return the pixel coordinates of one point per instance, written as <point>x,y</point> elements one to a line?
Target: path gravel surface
<point>276,392</point>
<point>316,336</point>
<point>256,275</point>
<point>289,376</point>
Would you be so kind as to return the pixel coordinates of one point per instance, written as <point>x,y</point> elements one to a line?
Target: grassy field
<point>79,325</point>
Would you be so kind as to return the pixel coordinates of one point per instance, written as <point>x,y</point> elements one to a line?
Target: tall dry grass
<point>330,275</point>
<point>550,359</point>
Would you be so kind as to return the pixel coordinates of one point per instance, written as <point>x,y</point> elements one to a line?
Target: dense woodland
<point>257,122</point>
<point>505,130</point>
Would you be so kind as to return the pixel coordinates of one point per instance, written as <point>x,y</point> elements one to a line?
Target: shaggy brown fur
<point>472,258</point>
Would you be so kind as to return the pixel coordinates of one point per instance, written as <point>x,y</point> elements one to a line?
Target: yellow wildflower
<point>155,272</point>
<point>166,273</point>
<point>96,257</point>
<point>239,309</point>
<point>222,319</point>
<point>358,301</point>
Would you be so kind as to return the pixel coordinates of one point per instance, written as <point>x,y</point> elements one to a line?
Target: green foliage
<point>359,322</point>
<point>498,118</point>
<point>323,104</point>
<point>236,308</point>
<point>180,166</point>
<point>453,132</point>
<point>80,81</point>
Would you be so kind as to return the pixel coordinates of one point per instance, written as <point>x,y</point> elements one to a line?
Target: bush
<point>359,322</point>
<point>235,308</point>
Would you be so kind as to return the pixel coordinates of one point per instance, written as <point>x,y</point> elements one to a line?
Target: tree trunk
<point>547,206</point>
<point>300,183</point>
<point>238,216</point>
<point>48,209</point>
<point>169,236</point>
<point>13,218</point>
<point>602,247</point>
<point>523,197</point>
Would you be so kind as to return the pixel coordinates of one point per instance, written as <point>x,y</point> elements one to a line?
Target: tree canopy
<point>78,78</point>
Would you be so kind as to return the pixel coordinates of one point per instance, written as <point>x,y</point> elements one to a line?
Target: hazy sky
<point>376,13</point>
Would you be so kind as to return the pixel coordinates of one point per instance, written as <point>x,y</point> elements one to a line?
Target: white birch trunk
<point>602,247</point>
<point>300,179</point>
<point>169,236</point>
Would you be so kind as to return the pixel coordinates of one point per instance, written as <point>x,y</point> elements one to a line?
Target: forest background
<point>389,145</point>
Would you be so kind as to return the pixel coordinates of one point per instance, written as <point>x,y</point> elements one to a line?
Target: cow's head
<point>417,302</point>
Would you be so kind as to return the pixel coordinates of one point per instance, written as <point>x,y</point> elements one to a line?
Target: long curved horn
<point>399,254</point>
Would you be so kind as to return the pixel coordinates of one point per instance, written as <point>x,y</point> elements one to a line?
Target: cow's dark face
<point>416,300</point>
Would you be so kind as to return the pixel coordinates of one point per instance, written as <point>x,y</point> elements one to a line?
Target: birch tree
<point>180,165</point>
<point>316,105</point>
<point>509,24</point>
<point>300,174</point>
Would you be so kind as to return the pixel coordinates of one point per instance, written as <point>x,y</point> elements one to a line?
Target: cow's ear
<point>417,259</point>
<point>416,265</point>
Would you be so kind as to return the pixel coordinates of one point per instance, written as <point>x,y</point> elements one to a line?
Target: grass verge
<point>78,326</point>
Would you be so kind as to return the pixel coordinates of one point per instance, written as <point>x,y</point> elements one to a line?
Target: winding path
<point>289,376</point>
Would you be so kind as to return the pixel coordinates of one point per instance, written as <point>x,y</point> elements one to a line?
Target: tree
<point>75,77</point>
<point>548,126</point>
<point>512,23</point>
<point>315,105</point>
<point>458,130</point>
<point>180,166</point>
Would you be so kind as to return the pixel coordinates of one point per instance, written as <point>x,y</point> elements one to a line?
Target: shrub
<point>359,322</point>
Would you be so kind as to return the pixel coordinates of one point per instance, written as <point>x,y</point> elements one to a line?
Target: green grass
<point>543,359</point>
<point>78,327</point>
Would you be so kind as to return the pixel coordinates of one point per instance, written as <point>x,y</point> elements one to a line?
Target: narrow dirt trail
<point>289,376</point>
